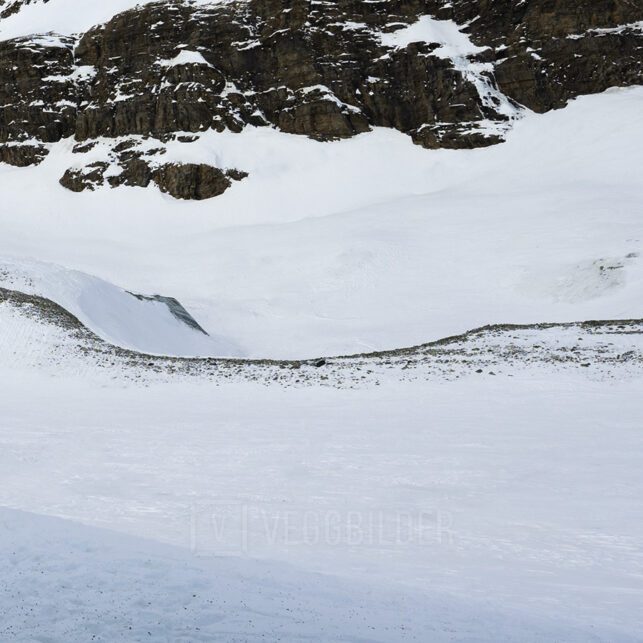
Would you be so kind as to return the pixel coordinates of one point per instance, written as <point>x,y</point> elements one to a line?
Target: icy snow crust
<point>118,587</point>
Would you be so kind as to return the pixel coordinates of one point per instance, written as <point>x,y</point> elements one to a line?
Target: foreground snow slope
<point>491,484</point>
<point>368,243</point>
<point>492,509</point>
<point>486,488</point>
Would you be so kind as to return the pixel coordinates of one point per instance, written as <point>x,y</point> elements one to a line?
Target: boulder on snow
<point>86,178</point>
<point>194,181</point>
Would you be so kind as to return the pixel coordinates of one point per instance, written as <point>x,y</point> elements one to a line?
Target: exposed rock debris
<point>603,349</point>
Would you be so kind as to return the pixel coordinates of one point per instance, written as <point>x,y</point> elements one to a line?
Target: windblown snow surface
<point>483,506</point>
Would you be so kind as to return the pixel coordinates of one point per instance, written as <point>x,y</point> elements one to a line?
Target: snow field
<point>510,496</point>
<point>410,245</point>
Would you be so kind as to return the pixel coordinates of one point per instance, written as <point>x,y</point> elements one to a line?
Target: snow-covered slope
<point>64,17</point>
<point>487,509</point>
<point>483,487</point>
<point>369,243</point>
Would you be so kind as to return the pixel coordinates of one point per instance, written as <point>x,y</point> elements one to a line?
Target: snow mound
<point>453,41</point>
<point>148,324</point>
<point>185,57</point>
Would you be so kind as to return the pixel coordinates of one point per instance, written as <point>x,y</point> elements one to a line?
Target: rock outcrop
<point>22,155</point>
<point>324,70</point>
<point>131,167</point>
<point>87,178</point>
<point>194,180</point>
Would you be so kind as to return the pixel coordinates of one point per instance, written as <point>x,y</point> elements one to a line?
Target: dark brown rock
<point>38,98</point>
<point>135,172</point>
<point>82,148</point>
<point>554,50</point>
<point>87,178</point>
<point>236,175</point>
<point>582,68</point>
<point>22,155</point>
<point>192,181</point>
<point>455,137</point>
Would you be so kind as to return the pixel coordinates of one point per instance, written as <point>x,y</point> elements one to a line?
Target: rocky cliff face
<point>448,74</point>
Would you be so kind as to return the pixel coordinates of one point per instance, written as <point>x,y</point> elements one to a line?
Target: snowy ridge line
<point>492,328</point>
<point>606,31</point>
<point>40,334</point>
<point>69,321</point>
